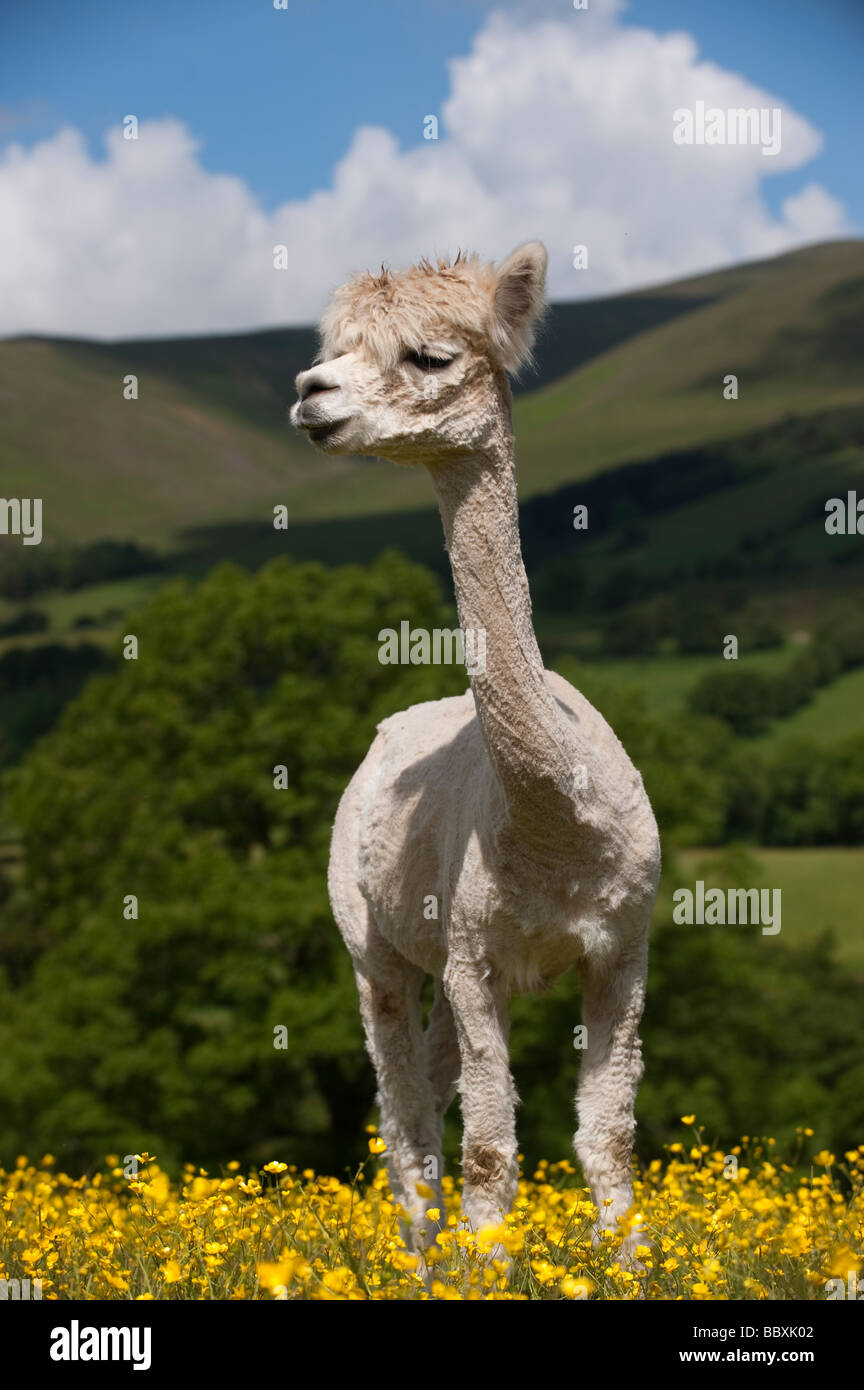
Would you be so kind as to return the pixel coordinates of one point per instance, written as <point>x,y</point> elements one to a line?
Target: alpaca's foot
<point>621,1220</point>
<point>626,1256</point>
<point>491,1258</point>
<point>496,1253</point>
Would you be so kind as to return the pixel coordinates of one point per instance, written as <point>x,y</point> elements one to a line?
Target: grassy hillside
<point>821,892</point>
<point>834,713</point>
<point>697,506</point>
<point>791,329</point>
<point>619,380</point>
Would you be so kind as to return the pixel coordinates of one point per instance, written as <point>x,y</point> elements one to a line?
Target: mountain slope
<point>619,380</point>
<point>791,330</point>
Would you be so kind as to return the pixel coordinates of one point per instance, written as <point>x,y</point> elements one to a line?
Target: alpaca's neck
<point>522,727</point>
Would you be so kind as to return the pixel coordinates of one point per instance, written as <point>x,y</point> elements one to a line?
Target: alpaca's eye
<point>426,362</point>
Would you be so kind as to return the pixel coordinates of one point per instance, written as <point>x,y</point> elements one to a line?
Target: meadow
<point>752,1224</point>
<point>706,517</point>
<point>822,891</point>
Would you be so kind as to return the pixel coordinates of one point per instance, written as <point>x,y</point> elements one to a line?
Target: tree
<point>121,1032</point>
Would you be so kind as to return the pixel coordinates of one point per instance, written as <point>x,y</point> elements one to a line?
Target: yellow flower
<point>687,1119</point>
<point>377,1146</point>
<point>582,1287</point>
<point>445,1291</point>
<point>844,1261</point>
<point>239,1238</point>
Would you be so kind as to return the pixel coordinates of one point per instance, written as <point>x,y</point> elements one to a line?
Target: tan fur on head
<point>419,309</point>
<point>520,298</point>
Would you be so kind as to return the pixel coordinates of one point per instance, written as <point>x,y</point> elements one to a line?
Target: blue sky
<point>276,97</point>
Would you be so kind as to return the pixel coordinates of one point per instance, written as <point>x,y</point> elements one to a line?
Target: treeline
<point>121,1030</point>
<point>27,621</point>
<point>35,685</point>
<point>624,496</point>
<point>749,701</point>
<point>622,499</point>
<point>756,1039</point>
<point>689,624</point>
<point>29,570</point>
<point>631,597</point>
<point>708,787</point>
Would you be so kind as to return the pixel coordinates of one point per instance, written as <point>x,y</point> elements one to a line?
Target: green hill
<point>706,515</point>
<point>790,329</point>
<point>619,380</point>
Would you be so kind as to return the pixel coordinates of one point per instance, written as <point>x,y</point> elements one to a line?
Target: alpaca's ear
<point>520,297</point>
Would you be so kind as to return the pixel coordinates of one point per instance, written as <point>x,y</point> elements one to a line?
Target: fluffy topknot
<point>394,312</point>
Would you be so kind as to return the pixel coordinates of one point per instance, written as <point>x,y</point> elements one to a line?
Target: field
<point>747,1225</point>
<point>822,892</point>
<point>705,518</point>
<point>833,713</point>
<point>619,380</point>
<point>666,681</point>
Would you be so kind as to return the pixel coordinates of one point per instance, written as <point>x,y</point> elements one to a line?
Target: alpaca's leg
<point>490,1164</point>
<point>442,1068</point>
<point>443,1062</point>
<point>610,1075</point>
<point>392,1016</point>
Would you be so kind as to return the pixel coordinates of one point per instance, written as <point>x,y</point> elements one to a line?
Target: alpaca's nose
<point>313,382</point>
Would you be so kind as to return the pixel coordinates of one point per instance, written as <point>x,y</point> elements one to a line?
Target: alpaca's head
<point>412,363</point>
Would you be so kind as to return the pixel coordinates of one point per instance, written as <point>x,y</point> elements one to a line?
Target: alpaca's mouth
<point>319,433</point>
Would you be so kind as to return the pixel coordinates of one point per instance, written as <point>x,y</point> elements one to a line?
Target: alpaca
<point>515,805</point>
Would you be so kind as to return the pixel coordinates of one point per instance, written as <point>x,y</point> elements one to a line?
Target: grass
<point>207,439</point>
<point>752,1224</point>
<point>103,604</point>
<point>834,713</point>
<point>822,891</point>
<point>666,681</point>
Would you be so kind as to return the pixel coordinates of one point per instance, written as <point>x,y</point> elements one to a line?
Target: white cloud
<point>558,125</point>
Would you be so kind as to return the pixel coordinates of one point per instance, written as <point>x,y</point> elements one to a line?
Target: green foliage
<point>691,766</point>
<point>817,794</point>
<point>27,572</point>
<point>26,621</point>
<point>754,1036</point>
<point>118,1035</point>
<point>35,684</point>
<point>158,781</point>
<point>749,701</point>
<point>745,700</point>
<point>690,623</point>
